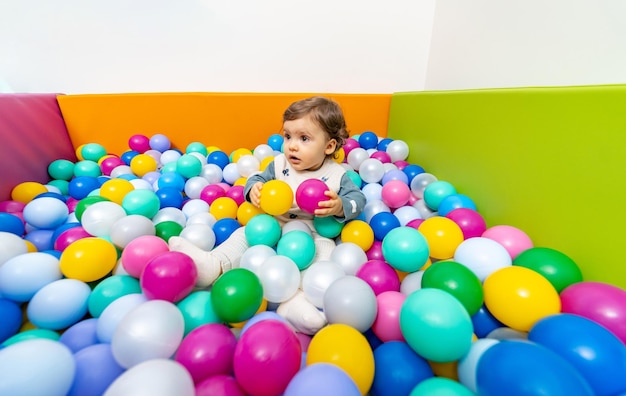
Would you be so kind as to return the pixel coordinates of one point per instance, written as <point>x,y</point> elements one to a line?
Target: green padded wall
<point>549,161</point>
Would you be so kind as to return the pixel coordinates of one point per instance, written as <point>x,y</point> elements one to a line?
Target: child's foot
<point>301,314</point>
<point>209,267</point>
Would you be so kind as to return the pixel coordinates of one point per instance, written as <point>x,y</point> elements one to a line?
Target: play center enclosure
<point>548,161</point>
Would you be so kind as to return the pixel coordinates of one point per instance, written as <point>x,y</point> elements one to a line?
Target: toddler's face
<point>306,144</point>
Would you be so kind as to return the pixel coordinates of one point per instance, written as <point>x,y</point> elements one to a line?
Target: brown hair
<point>325,112</point>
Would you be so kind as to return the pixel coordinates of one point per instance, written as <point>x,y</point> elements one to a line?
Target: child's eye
<point>305,138</point>
<point>287,136</point>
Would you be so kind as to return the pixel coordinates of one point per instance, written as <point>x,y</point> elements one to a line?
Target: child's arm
<point>252,189</point>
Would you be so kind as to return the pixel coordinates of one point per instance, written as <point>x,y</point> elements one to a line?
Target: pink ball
<point>72,203</point>
<point>601,302</point>
<point>513,239</point>
<point>310,193</point>
<point>401,164</point>
<point>219,385</point>
<point>386,326</point>
<point>349,145</point>
<point>382,156</point>
<point>470,221</point>
<point>139,251</point>
<point>212,192</point>
<point>395,193</point>
<point>380,276</point>
<point>413,198</point>
<point>70,236</point>
<point>375,252</point>
<point>170,276</point>
<point>268,355</point>
<point>236,193</point>
<point>12,206</point>
<point>139,143</point>
<point>305,341</point>
<point>110,163</point>
<point>207,351</point>
<point>415,223</point>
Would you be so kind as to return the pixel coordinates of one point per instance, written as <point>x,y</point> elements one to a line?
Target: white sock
<point>323,247</point>
<point>208,265</point>
<point>301,314</point>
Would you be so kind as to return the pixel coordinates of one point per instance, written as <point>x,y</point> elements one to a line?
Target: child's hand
<point>331,207</point>
<point>255,194</point>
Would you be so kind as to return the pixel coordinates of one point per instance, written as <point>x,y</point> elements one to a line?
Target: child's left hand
<point>331,207</point>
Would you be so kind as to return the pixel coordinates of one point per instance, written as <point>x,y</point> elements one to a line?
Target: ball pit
<point>419,291</point>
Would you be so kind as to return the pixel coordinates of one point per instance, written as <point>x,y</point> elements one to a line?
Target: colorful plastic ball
<point>98,218</point>
<point>298,246</point>
<point>383,222</point>
<point>355,177</point>
<point>141,202</point>
<point>398,150</point>
<point>380,276</point>
<point>11,245</point>
<point>139,251</point>
<point>223,228</point>
<point>61,169</point>
<point>358,232</point>
<point>468,364</point>
<point>139,143</point>
<point>59,304</point>
<point>420,182</point>
<point>514,240</point>
<point>167,229</point>
<point>218,158</point>
<point>96,369</point>
<point>349,256</point>
<point>519,297</point>
<point>111,316</point>
<point>327,226</point>
<point>87,168</point>
<point>160,142</point>
<point>108,164</point>
<point>188,166</point>
<point>317,278</point>
<point>368,140</point>
<point>11,314</point>
<point>395,193</point>
<point>169,197</point>
<point>263,229</point>
<point>92,151</point>
<point>436,191</point>
<point>443,235</point>
<point>224,207</point>
<point>39,240</point>
<point>411,171</point>
<point>407,214</point>
<point>458,280</point>
<point>151,330</point>
<point>351,301</point>
<point>27,191</point>
<point>30,334</point>
<point>436,325</point>
<point>322,379</point>
<point>483,256</point>
<point>381,156</point>
<point>169,276</point>
<point>371,170</point>
<point>440,386</point>
<point>484,322</point>
<point>346,348</point>
<point>80,335</point>
<point>220,384</point>
<point>236,295</point>
<point>275,141</point>
<point>395,174</point>
<point>171,179</point>
<point>130,227</point>
<point>207,351</point>
<point>11,223</point>
<point>601,302</point>
<point>538,370</point>
<point>455,201</point>
<point>398,367</point>
<point>386,326</point>
<point>469,220</point>
<point>280,278</point>
<point>109,290</point>
<point>23,275</point>
<point>88,259</point>
<point>405,249</point>
<point>309,193</point>
<point>246,211</point>
<point>268,349</point>
<point>53,368</point>
<point>81,186</point>
<point>142,164</point>
<point>197,310</point>
<point>276,197</point>
<point>554,265</point>
<point>158,377</point>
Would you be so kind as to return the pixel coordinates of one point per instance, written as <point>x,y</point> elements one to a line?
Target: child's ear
<point>330,147</point>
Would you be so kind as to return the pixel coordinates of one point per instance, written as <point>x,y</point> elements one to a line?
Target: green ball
<point>169,167</point>
<point>440,386</point>
<point>188,166</point>
<point>263,229</point>
<point>61,169</point>
<point>141,202</point>
<point>558,268</point>
<point>457,280</point>
<point>197,310</point>
<point>436,191</point>
<point>87,168</point>
<point>299,246</point>
<point>196,147</point>
<point>109,290</point>
<point>405,249</point>
<point>167,229</point>
<point>31,335</point>
<point>327,226</point>
<point>93,151</point>
<point>62,185</point>
<point>355,177</point>
<point>236,295</point>
<point>86,202</point>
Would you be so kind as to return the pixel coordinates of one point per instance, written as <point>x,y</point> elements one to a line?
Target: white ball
<point>155,377</point>
<point>411,282</point>
<point>201,218</point>
<point>194,186</point>
<point>11,245</point>
<point>317,278</point>
<point>482,256</point>
<point>45,212</point>
<point>374,207</point>
<point>280,277</point>
<point>407,213</point>
<point>263,151</point>
<point>231,173</point>
<point>351,301</point>
<point>296,225</point>
<point>255,256</point>
<point>420,182</point>
<point>372,192</point>
<point>349,256</point>
<point>193,206</point>
<point>247,165</point>
<point>121,170</point>
<point>371,170</point>
<point>130,227</point>
<point>201,235</point>
<point>212,173</point>
<point>141,184</point>
<point>356,156</point>
<point>170,156</point>
<point>98,219</point>
<point>170,214</point>
<point>398,150</point>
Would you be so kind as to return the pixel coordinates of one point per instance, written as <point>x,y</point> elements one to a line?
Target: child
<point>314,129</point>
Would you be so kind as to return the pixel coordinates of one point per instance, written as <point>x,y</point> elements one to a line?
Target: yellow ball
<point>30,246</point>
<point>339,156</point>
<point>210,149</point>
<point>79,152</point>
<point>142,164</point>
<point>276,197</point>
<point>27,191</point>
<point>238,153</point>
<point>88,259</point>
<point>246,211</point>
<point>224,207</point>
<point>443,236</point>
<point>116,189</point>
<point>265,162</point>
<point>240,182</point>
<point>359,233</point>
<point>346,347</point>
<point>519,297</point>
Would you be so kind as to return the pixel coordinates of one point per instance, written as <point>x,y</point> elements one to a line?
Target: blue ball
<point>11,223</point>
<point>383,222</point>
<point>51,194</point>
<point>382,145</point>
<point>394,174</point>
<point>223,228</point>
<point>170,197</point>
<point>275,142</point>
<point>11,315</point>
<point>96,369</point>
<point>42,239</point>
<point>127,156</point>
<point>455,201</point>
<point>218,158</point>
<point>368,140</point>
<point>61,229</point>
<point>171,179</point>
<point>484,322</point>
<point>411,171</point>
<point>398,367</point>
<point>322,379</point>
<point>81,335</point>
<point>80,186</point>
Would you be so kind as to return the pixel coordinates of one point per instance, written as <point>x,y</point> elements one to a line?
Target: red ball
<point>310,193</point>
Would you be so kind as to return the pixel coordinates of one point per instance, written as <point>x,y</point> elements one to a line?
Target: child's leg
<point>300,312</point>
<point>212,264</point>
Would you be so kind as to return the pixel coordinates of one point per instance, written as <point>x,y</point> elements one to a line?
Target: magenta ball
<point>470,221</point>
<point>349,145</point>
<point>601,302</point>
<point>236,194</point>
<point>375,252</point>
<point>386,326</point>
<point>380,276</point>
<point>212,192</point>
<point>169,276</point>
<point>207,350</point>
<point>382,156</point>
<point>139,251</point>
<point>415,223</point>
<point>139,143</point>
<point>219,385</point>
<point>395,193</point>
<point>310,193</point>
<point>70,236</point>
<point>110,163</point>
<point>267,350</point>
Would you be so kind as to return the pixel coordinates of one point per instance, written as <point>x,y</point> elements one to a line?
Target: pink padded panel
<point>32,135</point>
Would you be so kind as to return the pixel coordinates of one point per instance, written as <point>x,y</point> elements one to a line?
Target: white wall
<point>512,43</point>
<point>94,46</point>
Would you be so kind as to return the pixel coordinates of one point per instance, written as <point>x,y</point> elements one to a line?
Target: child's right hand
<point>255,194</point>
